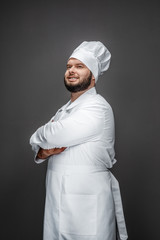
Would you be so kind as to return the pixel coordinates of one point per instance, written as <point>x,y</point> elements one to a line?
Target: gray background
<point>37,37</point>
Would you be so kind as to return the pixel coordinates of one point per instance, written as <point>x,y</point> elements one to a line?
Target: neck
<point>76,95</point>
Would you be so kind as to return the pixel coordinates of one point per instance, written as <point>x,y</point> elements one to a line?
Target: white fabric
<point>82,196</point>
<point>94,55</point>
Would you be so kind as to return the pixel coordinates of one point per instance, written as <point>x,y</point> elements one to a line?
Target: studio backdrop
<point>37,37</point>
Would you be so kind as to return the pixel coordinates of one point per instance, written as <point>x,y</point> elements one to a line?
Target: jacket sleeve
<point>36,148</point>
<point>83,125</point>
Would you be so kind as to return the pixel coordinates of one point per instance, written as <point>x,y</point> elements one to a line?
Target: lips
<point>72,79</point>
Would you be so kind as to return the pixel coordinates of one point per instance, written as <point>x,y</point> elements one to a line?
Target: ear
<point>93,82</point>
<point>93,78</point>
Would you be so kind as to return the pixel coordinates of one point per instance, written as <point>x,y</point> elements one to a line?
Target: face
<point>77,76</point>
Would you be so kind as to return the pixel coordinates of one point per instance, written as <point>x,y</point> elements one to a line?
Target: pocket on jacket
<point>78,214</point>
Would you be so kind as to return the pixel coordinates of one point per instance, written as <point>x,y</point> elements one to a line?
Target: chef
<point>83,199</point>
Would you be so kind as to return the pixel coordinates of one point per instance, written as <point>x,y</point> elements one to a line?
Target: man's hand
<point>44,153</point>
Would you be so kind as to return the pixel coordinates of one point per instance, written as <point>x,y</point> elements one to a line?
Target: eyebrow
<point>76,64</point>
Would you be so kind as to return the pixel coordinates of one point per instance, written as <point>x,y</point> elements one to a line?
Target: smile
<point>72,79</point>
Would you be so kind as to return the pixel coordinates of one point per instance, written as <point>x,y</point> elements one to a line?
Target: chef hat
<point>94,55</point>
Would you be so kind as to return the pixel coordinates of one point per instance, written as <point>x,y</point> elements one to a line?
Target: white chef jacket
<point>82,196</point>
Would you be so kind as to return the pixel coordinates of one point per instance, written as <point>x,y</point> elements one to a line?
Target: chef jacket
<point>86,128</point>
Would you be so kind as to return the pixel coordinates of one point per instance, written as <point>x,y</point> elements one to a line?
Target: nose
<point>71,70</point>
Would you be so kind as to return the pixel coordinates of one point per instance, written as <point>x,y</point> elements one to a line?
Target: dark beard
<point>80,86</point>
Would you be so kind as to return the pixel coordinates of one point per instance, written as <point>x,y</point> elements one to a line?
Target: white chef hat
<point>94,55</point>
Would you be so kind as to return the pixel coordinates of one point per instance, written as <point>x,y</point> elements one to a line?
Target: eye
<point>80,66</point>
<point>68,66</point>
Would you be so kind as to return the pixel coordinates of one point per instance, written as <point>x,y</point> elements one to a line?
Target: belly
<point>79,204</point>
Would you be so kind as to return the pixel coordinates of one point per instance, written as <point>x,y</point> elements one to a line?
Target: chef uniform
<point>83,199</point>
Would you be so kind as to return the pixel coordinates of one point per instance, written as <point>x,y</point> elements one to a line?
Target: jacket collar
<point>80,99</point>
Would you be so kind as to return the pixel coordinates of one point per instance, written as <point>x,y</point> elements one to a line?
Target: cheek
<point>81,73</point>
<point>84,75</point>
<point>66,73</point>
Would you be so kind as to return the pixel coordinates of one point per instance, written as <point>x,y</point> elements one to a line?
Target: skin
<point>44,153</point>
<point>76,73</point>
<point>76,69</point>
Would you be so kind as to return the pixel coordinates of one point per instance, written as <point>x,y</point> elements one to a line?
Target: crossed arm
<point>82,126</point>
<point>45,153</point>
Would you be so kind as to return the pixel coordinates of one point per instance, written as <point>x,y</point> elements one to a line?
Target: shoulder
<point>103,101</point>
<point>96,101</point>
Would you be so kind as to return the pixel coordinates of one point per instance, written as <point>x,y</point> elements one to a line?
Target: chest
<point>64,113</point>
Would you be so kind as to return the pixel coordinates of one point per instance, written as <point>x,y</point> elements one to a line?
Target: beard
<point>79,86</point>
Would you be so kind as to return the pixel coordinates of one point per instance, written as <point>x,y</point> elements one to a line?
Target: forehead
<point>74,61</point>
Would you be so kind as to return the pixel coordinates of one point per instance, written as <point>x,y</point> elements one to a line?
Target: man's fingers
<point>44,153</point>
<point>59,150</point>
<point>62,149</point>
